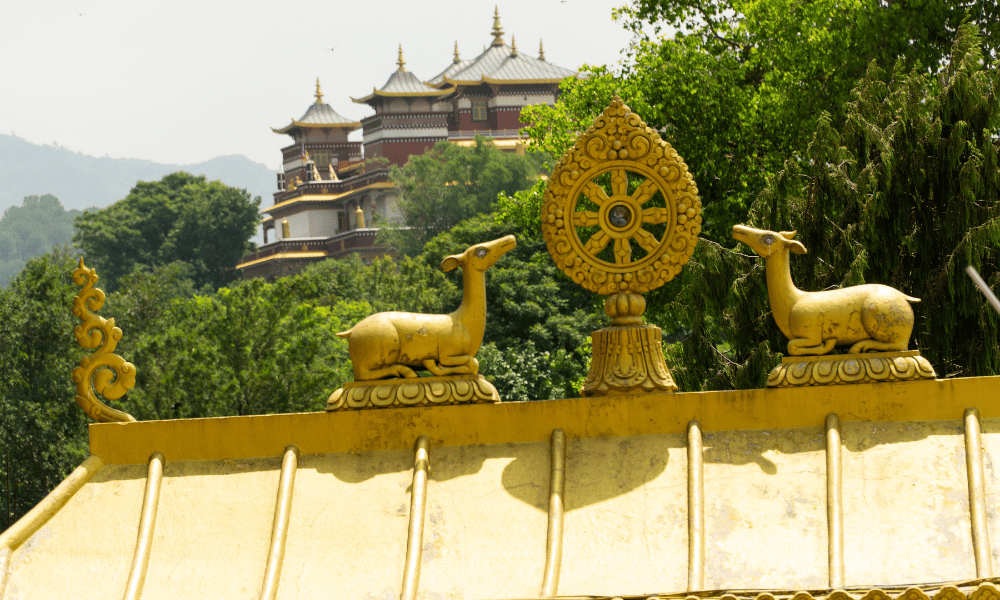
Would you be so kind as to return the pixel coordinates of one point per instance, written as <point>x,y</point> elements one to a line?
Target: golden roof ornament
<point>875,320</point>
<point>497,30</point>
<point>319,93</point>
<point>386,348</point>
<point>541,50</point>
<point>401,62</point>
<point>103,372</point>
<point>621,217</point>
<point>456,59</point>
<point>513,47</point>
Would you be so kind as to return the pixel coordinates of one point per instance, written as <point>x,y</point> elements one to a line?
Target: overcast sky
<point>182,81</point>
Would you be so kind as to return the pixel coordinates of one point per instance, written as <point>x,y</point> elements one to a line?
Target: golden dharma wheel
<point>621,213</point>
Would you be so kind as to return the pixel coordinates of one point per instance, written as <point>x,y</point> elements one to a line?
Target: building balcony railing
<point>486,133</point>
<point>316,248</point>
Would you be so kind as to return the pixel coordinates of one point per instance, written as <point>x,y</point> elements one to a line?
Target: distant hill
<point>81,181</point>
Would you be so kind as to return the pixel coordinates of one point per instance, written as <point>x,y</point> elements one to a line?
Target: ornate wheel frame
<point>619,144</point>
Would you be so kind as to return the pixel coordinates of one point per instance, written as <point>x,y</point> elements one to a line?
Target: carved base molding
<point>795,371</point>
<point>977,589</point>
<point>420,391</point>
<point>627,360</point>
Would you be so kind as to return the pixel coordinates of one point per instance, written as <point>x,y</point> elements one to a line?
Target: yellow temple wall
<point>906,508</point>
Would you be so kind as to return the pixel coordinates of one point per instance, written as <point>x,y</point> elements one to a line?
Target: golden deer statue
<point>388,344</point>
<point>869,317</point>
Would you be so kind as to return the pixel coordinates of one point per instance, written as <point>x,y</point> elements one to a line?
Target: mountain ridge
<point>83,181</point>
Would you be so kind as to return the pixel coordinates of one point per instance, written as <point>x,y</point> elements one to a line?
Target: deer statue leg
<point>364,374</point>
<point>871,345</point>
<point>803,346</point>
<point>453,365</point>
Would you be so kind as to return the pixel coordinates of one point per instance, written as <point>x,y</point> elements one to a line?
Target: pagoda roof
<point>401,83</point>
<point>320,114</point>
<point>505,65</point>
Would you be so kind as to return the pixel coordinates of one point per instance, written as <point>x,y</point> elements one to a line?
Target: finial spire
<point>401,62</point>
<point>541,50</point>
<point>497,30</point>
<point>319,92</point>
<point>513,46</point>
<point>456,59</point>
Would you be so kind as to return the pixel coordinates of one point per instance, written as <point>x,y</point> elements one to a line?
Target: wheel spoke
<point>619,182</point>
<point>655,215</point>
<point>623,251</point>
<point>595,194</point>
<point>584,218</point>
<point>646,190</point>
<point>596,243</point>
<point>645,239</point>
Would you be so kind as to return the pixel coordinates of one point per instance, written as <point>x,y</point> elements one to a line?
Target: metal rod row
<point>279,530</point>
<point>415,534</point>
<point>554,540</point>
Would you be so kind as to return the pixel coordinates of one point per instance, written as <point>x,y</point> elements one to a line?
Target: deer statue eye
<point>481,252</point>
<point>767,239</point>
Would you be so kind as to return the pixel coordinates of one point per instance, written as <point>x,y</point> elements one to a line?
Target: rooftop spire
<point>541,50</point>
<point>319,93</point>
<point>497,30</point>
<point>402,62</point>
<point>513,46</point>
<point>456,59</point>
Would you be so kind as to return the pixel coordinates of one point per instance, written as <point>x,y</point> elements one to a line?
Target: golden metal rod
<point>834,501</point>
<point>147,524</point>
<point>26,526</point>
<point>696,508</point>
<point>279,530</point>
<point>977,493</point>
<point>557,486</point>
<point>415,535</point>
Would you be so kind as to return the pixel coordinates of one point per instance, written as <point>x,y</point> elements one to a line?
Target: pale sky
<point>181,81</point>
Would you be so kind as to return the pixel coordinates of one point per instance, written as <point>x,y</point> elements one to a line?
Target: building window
<point>322,158</point>
<point>341,221</point>
<point>479,109</point>
<point>281,181</point>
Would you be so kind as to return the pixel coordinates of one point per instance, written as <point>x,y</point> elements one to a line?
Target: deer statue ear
<point>796,247</point>
<point>787,234</point>
<point>451,263</point>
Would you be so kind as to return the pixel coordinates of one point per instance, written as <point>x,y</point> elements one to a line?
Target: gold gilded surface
<point>850,368</point>
<point>621,212</point>
<point>627,359</point>
<point>423,391</point>
<point>391,344</point>
<point>867,317</point>
<point>978,589</point>
<point>104,371</point>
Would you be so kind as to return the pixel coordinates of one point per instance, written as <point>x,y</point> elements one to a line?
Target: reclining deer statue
<point>387,344</point>
<point>871,317</point>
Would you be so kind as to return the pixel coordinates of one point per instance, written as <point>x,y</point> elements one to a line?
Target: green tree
<point>43,433</point>
<point>29,230</point>
<point>450,183</point>
<point>906,193</point>
<point>180,218</point>
<point>740,84</point>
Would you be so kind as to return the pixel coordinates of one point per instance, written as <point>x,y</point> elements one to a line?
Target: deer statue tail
<point>347,334</point>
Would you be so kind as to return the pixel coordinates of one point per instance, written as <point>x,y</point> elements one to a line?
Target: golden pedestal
<point>628,356</point>
<point>795,371</point>
<point>413,391</point>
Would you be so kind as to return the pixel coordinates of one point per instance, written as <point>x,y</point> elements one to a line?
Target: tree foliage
<point>185,218</point>
<point>905,193</point>
<point>30,230</point>
<point>451,183</point>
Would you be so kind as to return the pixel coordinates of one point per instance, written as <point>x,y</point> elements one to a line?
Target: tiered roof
<point>401,83</point>
<point>319,114</point>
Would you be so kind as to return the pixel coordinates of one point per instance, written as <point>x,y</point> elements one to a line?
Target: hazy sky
<point>182,82</point>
